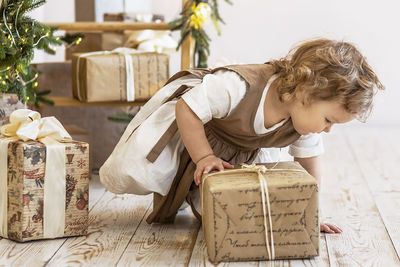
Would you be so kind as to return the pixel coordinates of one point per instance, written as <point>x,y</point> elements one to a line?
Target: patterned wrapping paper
<point>8,103</point>
<point>233,218</point>
<point>26,179</point>
<point>103,77</point>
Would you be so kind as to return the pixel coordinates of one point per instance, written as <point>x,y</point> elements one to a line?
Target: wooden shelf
<point>109,26</point>
<point>65,101</point>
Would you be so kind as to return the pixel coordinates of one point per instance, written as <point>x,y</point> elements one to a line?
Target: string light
<point>35,84</point>
<point>79,40</point>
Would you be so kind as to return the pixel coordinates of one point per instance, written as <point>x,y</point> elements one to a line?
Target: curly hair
<point>327,70</point>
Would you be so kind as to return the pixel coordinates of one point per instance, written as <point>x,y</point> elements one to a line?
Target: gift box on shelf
<point>259,214</point>
<point>8,103</point>
<point>44,179</point>
<point>120,75</point>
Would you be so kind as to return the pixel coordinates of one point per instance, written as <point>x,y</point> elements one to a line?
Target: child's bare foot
<point>329,228</point>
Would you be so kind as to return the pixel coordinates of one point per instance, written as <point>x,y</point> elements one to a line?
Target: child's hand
<point>329,228</point>
<point>207,164</point>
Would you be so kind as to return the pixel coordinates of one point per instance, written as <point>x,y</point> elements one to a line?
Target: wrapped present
<point>8,103</point>
<point>257,213</point>
<point>44,179</point>
<point>120,75</point>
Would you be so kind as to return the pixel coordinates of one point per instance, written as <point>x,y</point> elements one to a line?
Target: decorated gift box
<point>8,103</point>
<point>120,75</point>
<point>256,213</point>
<point>44,179</point>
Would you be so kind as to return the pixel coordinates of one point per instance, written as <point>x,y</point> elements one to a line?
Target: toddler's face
<point>318,117</point>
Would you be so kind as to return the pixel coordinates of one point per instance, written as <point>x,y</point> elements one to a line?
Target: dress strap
<point>162,142</point>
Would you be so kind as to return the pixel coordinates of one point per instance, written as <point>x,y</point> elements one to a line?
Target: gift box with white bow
<point>120,75</point>
<point>260,212</point>
<point>44,179</point>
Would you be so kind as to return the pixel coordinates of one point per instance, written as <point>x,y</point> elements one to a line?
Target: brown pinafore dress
<point>232,138</point>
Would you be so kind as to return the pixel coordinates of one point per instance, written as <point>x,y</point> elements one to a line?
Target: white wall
<point>259,30</point>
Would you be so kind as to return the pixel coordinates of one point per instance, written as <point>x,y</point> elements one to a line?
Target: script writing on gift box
<point>233,217</point>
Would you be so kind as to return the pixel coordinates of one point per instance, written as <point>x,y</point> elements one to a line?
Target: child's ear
<point>299,95</point>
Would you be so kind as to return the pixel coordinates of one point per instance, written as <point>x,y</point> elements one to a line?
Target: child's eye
<point>328,121</point>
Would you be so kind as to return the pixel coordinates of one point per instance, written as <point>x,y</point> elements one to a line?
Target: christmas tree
<point>19,36</point>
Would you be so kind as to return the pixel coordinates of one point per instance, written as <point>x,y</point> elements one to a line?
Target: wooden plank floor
<point>360,193</point>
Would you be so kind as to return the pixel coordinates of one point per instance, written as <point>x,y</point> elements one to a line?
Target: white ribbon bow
<point>27,125</point>
<point>152,41</point>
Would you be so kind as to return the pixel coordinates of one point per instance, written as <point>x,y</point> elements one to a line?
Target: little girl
<point>204,120</point>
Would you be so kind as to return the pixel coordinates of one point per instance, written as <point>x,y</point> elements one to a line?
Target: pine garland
<point>19,36</point>
<point>195,13</point>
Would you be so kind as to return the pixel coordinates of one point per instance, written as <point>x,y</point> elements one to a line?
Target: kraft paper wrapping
<point>233,214</point>
<point>102,77</point>
<point>26,172</point>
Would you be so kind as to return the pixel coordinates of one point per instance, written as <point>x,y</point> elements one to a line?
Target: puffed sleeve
<point>307,146</point>
<point>217,95</point>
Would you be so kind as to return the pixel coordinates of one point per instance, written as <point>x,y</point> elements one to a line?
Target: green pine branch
<point>19,36</point>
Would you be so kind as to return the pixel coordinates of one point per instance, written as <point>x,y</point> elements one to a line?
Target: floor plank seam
<point>55,252</point>
<point>137,227</point>
<point>192,246</point>
<point>327,250</point>
<point>100,198</point>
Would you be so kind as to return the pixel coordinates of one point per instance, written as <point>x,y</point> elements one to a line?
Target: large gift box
<point>44,179</point>
<point>120,75</point>
<point>239,204</point>
<point>8,103</point>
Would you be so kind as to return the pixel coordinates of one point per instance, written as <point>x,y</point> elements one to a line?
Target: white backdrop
<point>258,30</point>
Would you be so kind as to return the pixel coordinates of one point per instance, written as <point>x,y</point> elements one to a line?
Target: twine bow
<point>260,169</point>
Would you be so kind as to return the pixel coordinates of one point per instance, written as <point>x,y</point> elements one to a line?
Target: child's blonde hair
<point>325,69</point>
